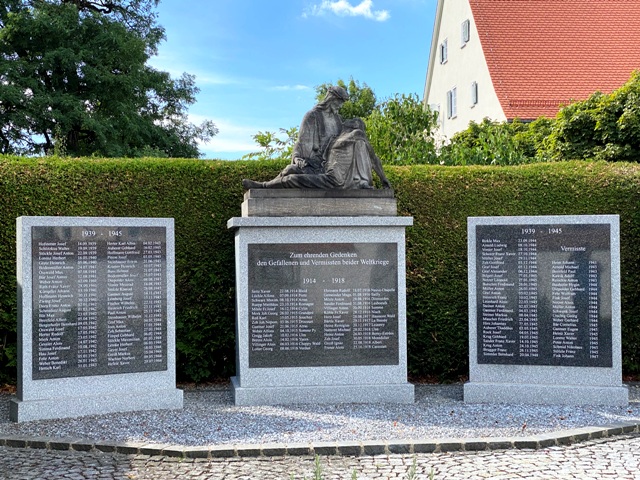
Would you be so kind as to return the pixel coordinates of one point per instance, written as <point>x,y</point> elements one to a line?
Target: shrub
<point>202,195</point>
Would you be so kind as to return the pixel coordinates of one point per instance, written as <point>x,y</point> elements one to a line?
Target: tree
<point>74,80</point>
<point>498,143</point>
<point>273,147</point>
<point>362,100</point>
<point>400,130</point>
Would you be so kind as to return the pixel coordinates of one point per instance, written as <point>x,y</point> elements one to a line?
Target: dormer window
<point>444,54</point>
<point>465,33</point>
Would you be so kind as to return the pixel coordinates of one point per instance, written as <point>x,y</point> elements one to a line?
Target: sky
<point>257,62</point>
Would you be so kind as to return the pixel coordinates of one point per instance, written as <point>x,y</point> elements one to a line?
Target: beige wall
<point>464,66</point>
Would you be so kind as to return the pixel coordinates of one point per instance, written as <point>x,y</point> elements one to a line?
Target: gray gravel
<point>209,417</point>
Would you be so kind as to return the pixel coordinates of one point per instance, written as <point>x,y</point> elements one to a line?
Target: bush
<point>603,127</point>
<point>202,195</point>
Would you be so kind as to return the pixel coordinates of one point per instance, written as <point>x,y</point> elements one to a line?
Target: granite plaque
<point>544,294</point>
<point>321,310</point>
<point>316,305</point>
<point>99,300</point>
<point>544,310</point>
<point>96,316</point>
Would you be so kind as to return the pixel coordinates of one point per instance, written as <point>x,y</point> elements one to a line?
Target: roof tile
<point>545,53</point>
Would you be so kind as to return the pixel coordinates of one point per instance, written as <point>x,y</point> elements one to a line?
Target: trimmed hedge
<point>203,195</point>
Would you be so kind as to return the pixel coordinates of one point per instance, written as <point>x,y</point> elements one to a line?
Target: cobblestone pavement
<point>615,458</point>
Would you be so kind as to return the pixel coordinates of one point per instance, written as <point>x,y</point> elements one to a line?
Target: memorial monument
<point>320,274</point>
<point>544,310</point>
<point>96,317</point>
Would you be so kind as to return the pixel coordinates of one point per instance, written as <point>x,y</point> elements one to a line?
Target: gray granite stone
<point>452,445</point>
<point>370,448</point>
<point>325,448</point>
<point>542,378</point>
<point>427,446</point>
<point>329,383</point>
<point>471,444</point>
<point>399,447</point>
<point>299,449</point>
<point>349,448</point>
<point>78,395</point>
<point>308,202</point>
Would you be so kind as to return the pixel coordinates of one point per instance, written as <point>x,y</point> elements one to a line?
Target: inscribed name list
<point>99,300</point>
<point>544,294</point>
<point>323,305</point>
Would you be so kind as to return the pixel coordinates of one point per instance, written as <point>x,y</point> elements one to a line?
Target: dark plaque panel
<point>544,295</point>
<point>99,300</point>
<point>323,305</point>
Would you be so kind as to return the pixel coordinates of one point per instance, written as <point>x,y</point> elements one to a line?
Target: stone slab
<point>529,364</point>
<point>318,202</point>
<point>348,207</point>
<point>49,409</point>
<point>325,237</point>
<point>293,193</point>
<point>72,392</point>
<point>321,394</point>
<point>536,394</point>
<point>309,202</point>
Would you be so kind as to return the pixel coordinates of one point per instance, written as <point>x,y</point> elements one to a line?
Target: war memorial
<point>320,297</point>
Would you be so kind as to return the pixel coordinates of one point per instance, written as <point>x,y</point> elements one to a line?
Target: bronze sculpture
<point>329,154</point>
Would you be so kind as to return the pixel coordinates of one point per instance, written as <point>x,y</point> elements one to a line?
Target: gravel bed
<point>209,417</point>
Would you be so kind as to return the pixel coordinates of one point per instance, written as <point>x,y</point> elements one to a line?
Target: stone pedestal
<point>321,309</point>
<point>544,311</point>
<point>312,203</point>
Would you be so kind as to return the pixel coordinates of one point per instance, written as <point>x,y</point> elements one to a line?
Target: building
<point>507,59</point>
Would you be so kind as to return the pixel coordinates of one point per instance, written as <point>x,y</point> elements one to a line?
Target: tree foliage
<point>362,100</point>
<point>400,130</point>
<point>272,146</point>
<point>498,143</point>
<point>602,127</point>
<point>74,81</point>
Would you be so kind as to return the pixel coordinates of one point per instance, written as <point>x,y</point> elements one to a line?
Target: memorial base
<point>322,394</point>
<point>546,394</point>
<point>321,310</point>
<point>78,406</point>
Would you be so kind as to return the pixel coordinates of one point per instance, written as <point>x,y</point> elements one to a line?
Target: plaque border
<point>302,358</point>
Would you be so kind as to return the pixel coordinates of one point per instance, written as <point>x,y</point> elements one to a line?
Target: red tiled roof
<point>544,53</point>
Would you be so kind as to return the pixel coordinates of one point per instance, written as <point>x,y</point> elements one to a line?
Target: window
<point>466,32</point>
<point>444,54</point>
<point>435,108</point>
<point>452,107</point>
<point>474,93</point>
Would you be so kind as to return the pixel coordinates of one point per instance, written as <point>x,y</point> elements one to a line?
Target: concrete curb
<point>365,448</point>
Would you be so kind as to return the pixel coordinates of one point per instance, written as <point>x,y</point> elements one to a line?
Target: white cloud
<point>231,143</point>
<point>289,88</point>
<point>343,8</point>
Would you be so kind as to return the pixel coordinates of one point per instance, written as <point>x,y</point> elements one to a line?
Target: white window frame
<point>474,94</point>
<point>452,103</point>
<point>444,52</point>
<point>465,33</point>
<point>435,107</point>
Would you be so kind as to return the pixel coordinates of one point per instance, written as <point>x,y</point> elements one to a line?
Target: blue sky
<point>257,62</point>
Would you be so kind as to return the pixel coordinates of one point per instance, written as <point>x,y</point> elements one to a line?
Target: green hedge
<point>203,195</point>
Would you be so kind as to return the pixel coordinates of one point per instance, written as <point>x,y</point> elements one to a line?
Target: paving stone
<point>615,458</point>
